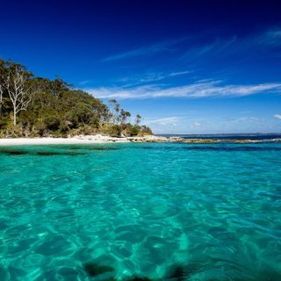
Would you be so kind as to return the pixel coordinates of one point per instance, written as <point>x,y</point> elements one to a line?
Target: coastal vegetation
<point>32,106</point>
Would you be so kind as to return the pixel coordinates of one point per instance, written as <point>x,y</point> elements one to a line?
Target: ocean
<point>227,137</point>
<point>140,211</point>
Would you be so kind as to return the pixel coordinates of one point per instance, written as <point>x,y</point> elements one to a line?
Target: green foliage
<point>111,129</point>
<point>58,110</point>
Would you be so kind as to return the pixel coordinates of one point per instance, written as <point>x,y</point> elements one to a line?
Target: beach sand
<point>95,139</point>
<point>91,139</point>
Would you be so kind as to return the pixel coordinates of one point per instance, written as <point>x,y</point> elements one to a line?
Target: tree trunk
<point>15,118</point>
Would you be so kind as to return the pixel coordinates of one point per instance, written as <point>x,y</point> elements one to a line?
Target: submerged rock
<point>138,278</point>
<point>182,272</point>
<point>13,152</point>
<point>176,273</point>
<point>94,269</point>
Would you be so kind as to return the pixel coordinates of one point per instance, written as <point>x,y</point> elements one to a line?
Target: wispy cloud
<point>199,89</point>
<point>151,77</point>
<point>85,82</point>
<point>215,47</point>
<point>163,46</point>
<point>195,124</point>
<point>178,73</point>
<point>165,121</point>
<point>277,116</point>
<point>271,37</point>
<point>245,46</point>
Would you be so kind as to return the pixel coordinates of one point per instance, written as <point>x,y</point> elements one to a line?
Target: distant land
<point>251,136</point>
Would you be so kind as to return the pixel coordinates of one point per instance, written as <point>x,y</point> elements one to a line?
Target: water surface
<point>162,211</point>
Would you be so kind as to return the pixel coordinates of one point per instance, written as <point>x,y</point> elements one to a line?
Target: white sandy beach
<point>93,139</point>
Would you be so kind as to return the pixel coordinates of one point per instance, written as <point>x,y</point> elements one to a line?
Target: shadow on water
<point>138,278</point>
<point>177,272</point>
<point>57,151</point>
<point>97,271</point>
<point>17,152</point>
<point>85,149</point>
<point>182,272</point>
<point>94,269</point>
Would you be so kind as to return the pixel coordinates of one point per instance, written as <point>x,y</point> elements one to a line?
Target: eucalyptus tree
<point>18,91</point>
<point>116,108</point>
<point>138,119</point>
<point>124,115</point>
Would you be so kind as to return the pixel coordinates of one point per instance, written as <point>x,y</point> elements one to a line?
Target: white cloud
<point>199,89</point>
<point>195,124</point>
<point>168,124</point>
<point>277,116</point>
<point>166,121</point>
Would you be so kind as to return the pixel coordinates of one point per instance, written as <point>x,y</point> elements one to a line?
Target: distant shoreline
<point>102,139</point>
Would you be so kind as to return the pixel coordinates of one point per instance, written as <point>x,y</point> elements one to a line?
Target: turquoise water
<point>161,211</point>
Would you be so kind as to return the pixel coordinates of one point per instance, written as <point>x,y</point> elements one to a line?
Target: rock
<point>94,269</point>
<point>138,278</point>
<point>177,273</point>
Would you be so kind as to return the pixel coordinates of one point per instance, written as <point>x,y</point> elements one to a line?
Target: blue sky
<point>185,66</point>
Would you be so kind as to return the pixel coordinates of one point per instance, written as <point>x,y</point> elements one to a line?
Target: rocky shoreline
<point>172,139</point>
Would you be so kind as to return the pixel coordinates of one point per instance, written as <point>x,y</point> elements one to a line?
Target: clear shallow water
<point>212,211</point>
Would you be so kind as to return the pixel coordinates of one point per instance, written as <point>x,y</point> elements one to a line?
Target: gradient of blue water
<point>141,208</point>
